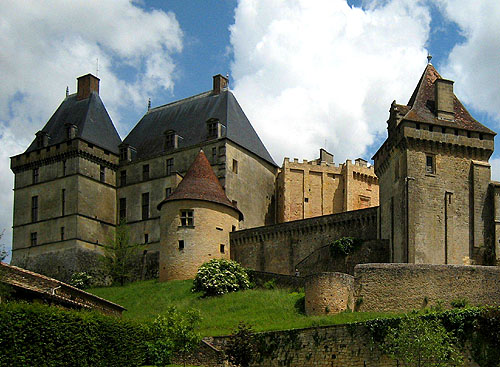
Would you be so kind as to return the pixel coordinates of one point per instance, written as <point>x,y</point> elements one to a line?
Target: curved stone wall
<point>403,287</point>
<point>329,293</point>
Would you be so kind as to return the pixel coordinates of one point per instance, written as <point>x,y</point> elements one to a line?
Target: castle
<point>78,180</point>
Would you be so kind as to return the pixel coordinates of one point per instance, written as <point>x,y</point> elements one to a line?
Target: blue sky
<point>308,74</point>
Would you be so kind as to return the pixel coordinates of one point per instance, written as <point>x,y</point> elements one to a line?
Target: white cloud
<point>45,45</point>
<point>309,71</point>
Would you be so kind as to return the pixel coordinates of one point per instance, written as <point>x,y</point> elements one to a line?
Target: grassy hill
<point>264,309</point>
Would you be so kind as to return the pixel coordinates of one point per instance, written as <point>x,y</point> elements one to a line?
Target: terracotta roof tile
<point>200,183</point>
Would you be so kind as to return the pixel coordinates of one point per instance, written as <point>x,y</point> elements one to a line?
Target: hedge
<point>40,335</point>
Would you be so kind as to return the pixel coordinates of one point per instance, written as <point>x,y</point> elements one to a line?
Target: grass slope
<point>263,309</point>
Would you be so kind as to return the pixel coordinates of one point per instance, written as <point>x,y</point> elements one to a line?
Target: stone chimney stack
<point>445,99</point>
<point>220,83</point>
<point>86,85</point>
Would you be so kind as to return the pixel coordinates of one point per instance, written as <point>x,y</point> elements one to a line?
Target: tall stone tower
<point>434,175</point>
<point>195,222</point>
<point>64,190</point>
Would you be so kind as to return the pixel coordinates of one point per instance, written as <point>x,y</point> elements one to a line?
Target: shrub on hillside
<point>220,276</point>
<point>81,280</point>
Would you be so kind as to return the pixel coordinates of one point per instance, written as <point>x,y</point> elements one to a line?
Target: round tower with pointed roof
<point>195,223</point>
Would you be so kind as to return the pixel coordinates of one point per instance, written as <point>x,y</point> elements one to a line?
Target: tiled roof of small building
<point>200,183</point>
<point>188,119</point>
<point>91,119</point>
<point>423,101</point>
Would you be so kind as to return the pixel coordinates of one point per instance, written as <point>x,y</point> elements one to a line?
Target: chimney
<point>220,83</point>
<point>445,99</point>
<point>86,85</point>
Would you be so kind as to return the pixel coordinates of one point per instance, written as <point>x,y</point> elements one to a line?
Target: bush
<point>219,276</point>
<point>81,280</point>
<point>241,349</point>
<point>344,246</point>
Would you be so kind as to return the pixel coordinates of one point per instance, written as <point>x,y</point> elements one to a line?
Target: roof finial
<point>149,103</point>
<point>429,57</point>
<point>67,91</point>
<point>227,77</point>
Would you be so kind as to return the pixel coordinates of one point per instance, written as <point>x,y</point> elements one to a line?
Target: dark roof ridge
<point>175,103</point>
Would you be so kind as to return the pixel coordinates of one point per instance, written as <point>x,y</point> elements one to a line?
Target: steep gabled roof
<point>423,101</point>
<point>200,183</point>
<point>188,118</point>
<point>91,118</point>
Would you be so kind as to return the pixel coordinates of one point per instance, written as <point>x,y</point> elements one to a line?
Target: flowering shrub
<point>219,276</point>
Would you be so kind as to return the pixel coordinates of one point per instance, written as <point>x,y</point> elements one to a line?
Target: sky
<point>309,74</point>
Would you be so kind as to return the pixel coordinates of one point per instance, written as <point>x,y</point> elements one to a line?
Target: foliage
<point>40,335</point>
<point>459,303</point>
<point>344,246</point>
<point>173,332</point>
<point>419,342</point>
<point>120,256</point>
<point>81,280</point>
<point>220,276</point>
<point>241,348</point>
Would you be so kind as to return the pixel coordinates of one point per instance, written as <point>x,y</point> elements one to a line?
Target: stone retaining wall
<point>329,293</point>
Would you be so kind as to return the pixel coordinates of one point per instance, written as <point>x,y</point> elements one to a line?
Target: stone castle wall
<point>329,293</point>
<point>403,287</point>
<point>279,248</point>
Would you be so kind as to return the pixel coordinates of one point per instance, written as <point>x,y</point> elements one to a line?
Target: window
<point>34,208</point>
<point>35,175</point>
<point>123,153</point>
<point>187,218</point>
<point>102,174</point>
<point>214,155</point>
<point>221,248</point>
<point>123,209</point>
<point>181,244</point>
<point>145,205</point>
<point>170,166</point>
<point>170,140</point>
<point>64,167</point>
<point>146,238</point>
<point>33,238</point>
<point>123,178</point>
<point>168,192</point>
<point>233,228</point>
<point>235,166</point>
<point>63,201</point>
<point>212,128</point>
<point>145,172</point>
<point>62,233</point>
<point>430,164</point>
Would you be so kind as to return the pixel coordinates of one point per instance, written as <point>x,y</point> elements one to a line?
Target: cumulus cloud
<point>314,74</point>
<point>46,44</point>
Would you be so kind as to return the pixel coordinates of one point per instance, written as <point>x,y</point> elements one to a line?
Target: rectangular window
<point>123,178</point>
<point>187,218</point>
<point>170,166</point>
<point>170,141</point>
<point>102,174</point>
<point>235,166</point>
<point>146,238</point>
<point>221,248</point>
<point>212,127</point>
<point>62,233</point>
<point>168,192</point>
<point>430,164</point>
<point>181,244</point>
<point>35,175</point>
<point>33,238</point>
<point>63,201</point>
<point>64,168</point>
<point>34,208</point>
<point>123,153</point>
<point>145,205</point>
<point>214,155</point>
<point>123,209</point>
<point>145,172</point>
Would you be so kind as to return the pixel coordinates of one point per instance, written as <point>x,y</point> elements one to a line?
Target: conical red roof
<point>200,183</point>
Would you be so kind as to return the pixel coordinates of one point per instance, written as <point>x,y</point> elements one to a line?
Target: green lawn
<point>263,309</point>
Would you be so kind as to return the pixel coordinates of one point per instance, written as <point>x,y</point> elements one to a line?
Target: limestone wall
<point>403,287</point>
<point>279,248</point>
<point>329,293</point>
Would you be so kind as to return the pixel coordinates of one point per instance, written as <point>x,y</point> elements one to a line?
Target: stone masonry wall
<point>403,287</point>
<point>279,248</point>
<point>329,293</point>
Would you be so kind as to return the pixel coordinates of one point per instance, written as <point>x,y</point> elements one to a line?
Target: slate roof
<point>421,106</point>
<point>200,183</point>
<point>188,118</point>
<point>91,118</point>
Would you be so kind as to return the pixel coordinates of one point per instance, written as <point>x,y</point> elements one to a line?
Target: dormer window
<point>71,131</point>
<point>171,140</point>
<point>42,139</point>
<point>127,153</point>
<point>213,129</point>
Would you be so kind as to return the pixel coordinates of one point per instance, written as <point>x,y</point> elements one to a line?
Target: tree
<point>241,348</point>
<point>418,342</point>
<point>174,333</point>
<point>120,256</point>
